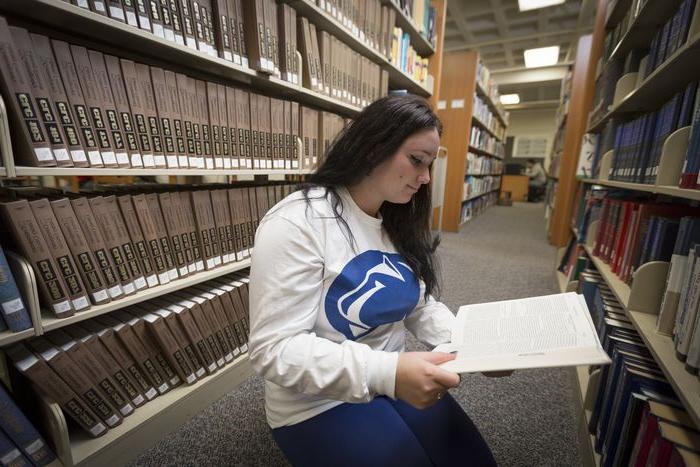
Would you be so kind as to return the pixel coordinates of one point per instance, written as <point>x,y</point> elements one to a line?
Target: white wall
<point>536,122</point>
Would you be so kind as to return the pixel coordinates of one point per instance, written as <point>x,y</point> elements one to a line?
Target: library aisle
<point>527,418</point>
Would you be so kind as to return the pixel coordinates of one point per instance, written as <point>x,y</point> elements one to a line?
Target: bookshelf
<point>458,89</point>
<point>419,42</point>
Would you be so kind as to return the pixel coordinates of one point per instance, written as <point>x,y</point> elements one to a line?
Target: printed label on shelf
<point>158,30</point>
<point>78,155</point>
<point>100,6</point>
<point>80,303</point>
<point>220,362</point>
<point>227,163</point>
<point>190,379</point>
<point>244,62</point>
<point>126,410</point>
<point>163,387</point>
<point>148,161</point>
<point>83,4</point>
<point>191,43</point>
<point>200,372</point>
<point>12,306</point>
<point>136,160</point>
<point>140,283</point>
<point>457,103</point>
<point>152,280</point>
<point>218,162</point>
<point>138,400</point>
<point>61,307</point>
<point>97,429</point>
<point>200,265</point>
<point>43,154</point>
<point>228,357</point>
<point>122,158</point>
<point>442,105</point>
<point>34,447</point>
<point>131,19</point>
<point>179,40</point>
<point>115,291</point>
<point>183,271</point>
<point>129,288</point>
<point>244,348</point>
<point>100,295</point>
<point>113,420</point>
<point>228,56</point>
<point>115,12</point>
<point>183,161</point>
<point>109,158</point>
<point>191,268</point>
<point>151,394</point>
<point>172,162</point>
<point>237,59</point>
<point>217,260</point>
<point>174,381</point>
<point>159,160</point>
<point>172,274</point>
<point>61,154</point>
<point>212,367</point>
<point>169,35</point>
<point>144,22</point>
<point>210,263</point>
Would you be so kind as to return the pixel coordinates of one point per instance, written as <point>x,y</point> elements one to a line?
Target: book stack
<point>482,165</point>
<point>90,250</point>
<point>86,109</point>
<point>619,396</point>
<point>669,37</point>
<point>475,206</point>
<point>102,370</point>
<point>13,313</point>
<point>476,186</point>
<point>482,112</point>
<point>639,143</point>
<point>20,442</point>
<point>422,15</point>
<point>405,58</point>
<point>484,140</point>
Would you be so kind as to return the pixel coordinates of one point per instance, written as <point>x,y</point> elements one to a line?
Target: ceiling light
<point>510,99</point>
<point>543,56</point>
<point>526,5</point>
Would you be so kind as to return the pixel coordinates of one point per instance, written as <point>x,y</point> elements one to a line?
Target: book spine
<point>173,233</point>
<point>122,237</point>
<point>14,313</point>
<point>162,234</point>
<point>139,242</point>
<point>164,116</point>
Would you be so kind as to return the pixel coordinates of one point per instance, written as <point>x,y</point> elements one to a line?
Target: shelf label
<point>457,103</point>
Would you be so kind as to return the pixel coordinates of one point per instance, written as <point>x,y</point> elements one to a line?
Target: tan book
<point>131,256</point>
<point>204,324</point>
<point>77,380</point>
<point>48,225</point>
<point>265,132</point>
<point>209,27</point>
<point>214,321</point>
<point>145,86</point>
<point>108,338</point>
<point>85,261</point>
<point>167,18</point>
<point>233,32</point>
<point>243,45</point>
<point>271,38</point>
<point>108,229</point>
<point>156,18</point>
<point>91,367</point>
<point>162,233</point>
<point>197,337</point>
<point>297,147</point>
<point>186,117</point>
<point>47,382</point>
<point>176,19</point>
<point>315,53</point>
<point>88,84</point>
<point>234,316</point>
<point>255,138</point>
<point>188,26</point>
<point>138,240</point>
<point>277,131</point>
<point>324,48</point>
<point>150,235</point>
<point>195,113</point>
<point>30,243</point>
<point>173,232</point>
<point>206,228</point>
<point>309,76</point>
<point>145,362</point>
<point>286,135</point>
<point>224,128</point>
<point>178,120</point>
<point>198,21</point>
<point>131,317</point>
<point>231,115</point>
<point>214,126</point>
<point>222,23</point>
<point>64,114</point>
<point>164,117</point>
<point>121,104</point>
<point>93,236</point>
<point>130,17</point>
<point>285,50</point>
<point>255,37</point>
<point>138,112</point>
<point>240,282</point>
<point>121,378</point>
<point>237,224</point>
<point>191,229</point>
<point>182,227</point>
<point>217,308</point>
<point>175,356</point>
<point>243,125</point>
<point>222,219</point>
<point>112,120</point>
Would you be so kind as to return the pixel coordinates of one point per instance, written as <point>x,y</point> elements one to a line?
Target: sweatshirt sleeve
<point>431,321</point>
<point>286,284</point>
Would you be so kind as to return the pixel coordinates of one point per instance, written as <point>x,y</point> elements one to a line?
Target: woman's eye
<point>416,161</point>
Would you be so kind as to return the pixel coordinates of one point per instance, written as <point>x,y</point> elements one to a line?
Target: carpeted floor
<point>527,418</point>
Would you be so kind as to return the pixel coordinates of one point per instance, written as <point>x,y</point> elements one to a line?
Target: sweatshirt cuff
<point>381,373</point>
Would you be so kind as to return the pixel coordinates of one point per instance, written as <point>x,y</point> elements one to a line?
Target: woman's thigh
<point>371,434</point>
<point>446,433</point>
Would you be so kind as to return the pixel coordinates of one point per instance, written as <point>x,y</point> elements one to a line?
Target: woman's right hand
<point>419,380</point>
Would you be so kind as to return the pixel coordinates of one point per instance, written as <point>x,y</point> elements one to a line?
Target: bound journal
<point>536,332</point>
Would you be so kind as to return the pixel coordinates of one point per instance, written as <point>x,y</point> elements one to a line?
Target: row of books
<point>90,250</point>
<point>670,37</point>
<point>71,106</point>
<point>475,186</point>
<point>483,113</point>
<point>20,443</point>
<point>482,139</point>
<point>405,58</point>
<point>639,142</point>
<point>482,165</point>
<point>483,78</point>
<point>13,312</point>
<point>102,370</point>
<point>628,388</point>
<point>422,15</point>
<point>573,261</point>
<point>476,206</point>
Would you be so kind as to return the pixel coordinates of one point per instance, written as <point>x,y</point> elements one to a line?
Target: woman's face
<point>399,177</point>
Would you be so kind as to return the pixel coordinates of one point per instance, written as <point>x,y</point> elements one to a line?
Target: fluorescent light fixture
<point>543,56</point>
<point>510,99</point>
<point>526,5</point>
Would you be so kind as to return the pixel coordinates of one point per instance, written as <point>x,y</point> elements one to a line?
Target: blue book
<point>12,307</point>
<point>690,165</point>
<point>22,432</point>
<point>10,454</point>
<point>663,41</point>
<point>667,239</point>
<point>688,9</point>
<point>647,243</point>
<point>686,112</point>
<point>675,31</point>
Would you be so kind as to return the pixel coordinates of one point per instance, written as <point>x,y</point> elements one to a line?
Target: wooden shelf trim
<point>660,346</point>
<point>419,42</point>
<point>662,190</point>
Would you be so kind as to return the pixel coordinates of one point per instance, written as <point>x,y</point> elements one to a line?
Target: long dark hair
<point>373,137</point>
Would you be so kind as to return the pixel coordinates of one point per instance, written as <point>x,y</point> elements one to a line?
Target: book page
<point>553,330</point>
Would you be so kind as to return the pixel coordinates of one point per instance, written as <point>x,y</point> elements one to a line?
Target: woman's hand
<point>419,380</point>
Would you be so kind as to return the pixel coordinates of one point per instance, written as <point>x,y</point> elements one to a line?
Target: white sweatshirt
<point>326,320</point>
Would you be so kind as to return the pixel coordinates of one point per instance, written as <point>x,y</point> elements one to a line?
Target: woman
<point>339,269</point>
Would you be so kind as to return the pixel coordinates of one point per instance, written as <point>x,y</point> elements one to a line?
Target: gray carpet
<point>527,418</point>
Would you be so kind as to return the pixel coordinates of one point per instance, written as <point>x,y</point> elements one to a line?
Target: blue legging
<point>383,433</point>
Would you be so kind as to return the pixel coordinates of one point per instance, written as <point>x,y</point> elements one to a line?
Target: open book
<point>537,332</point>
